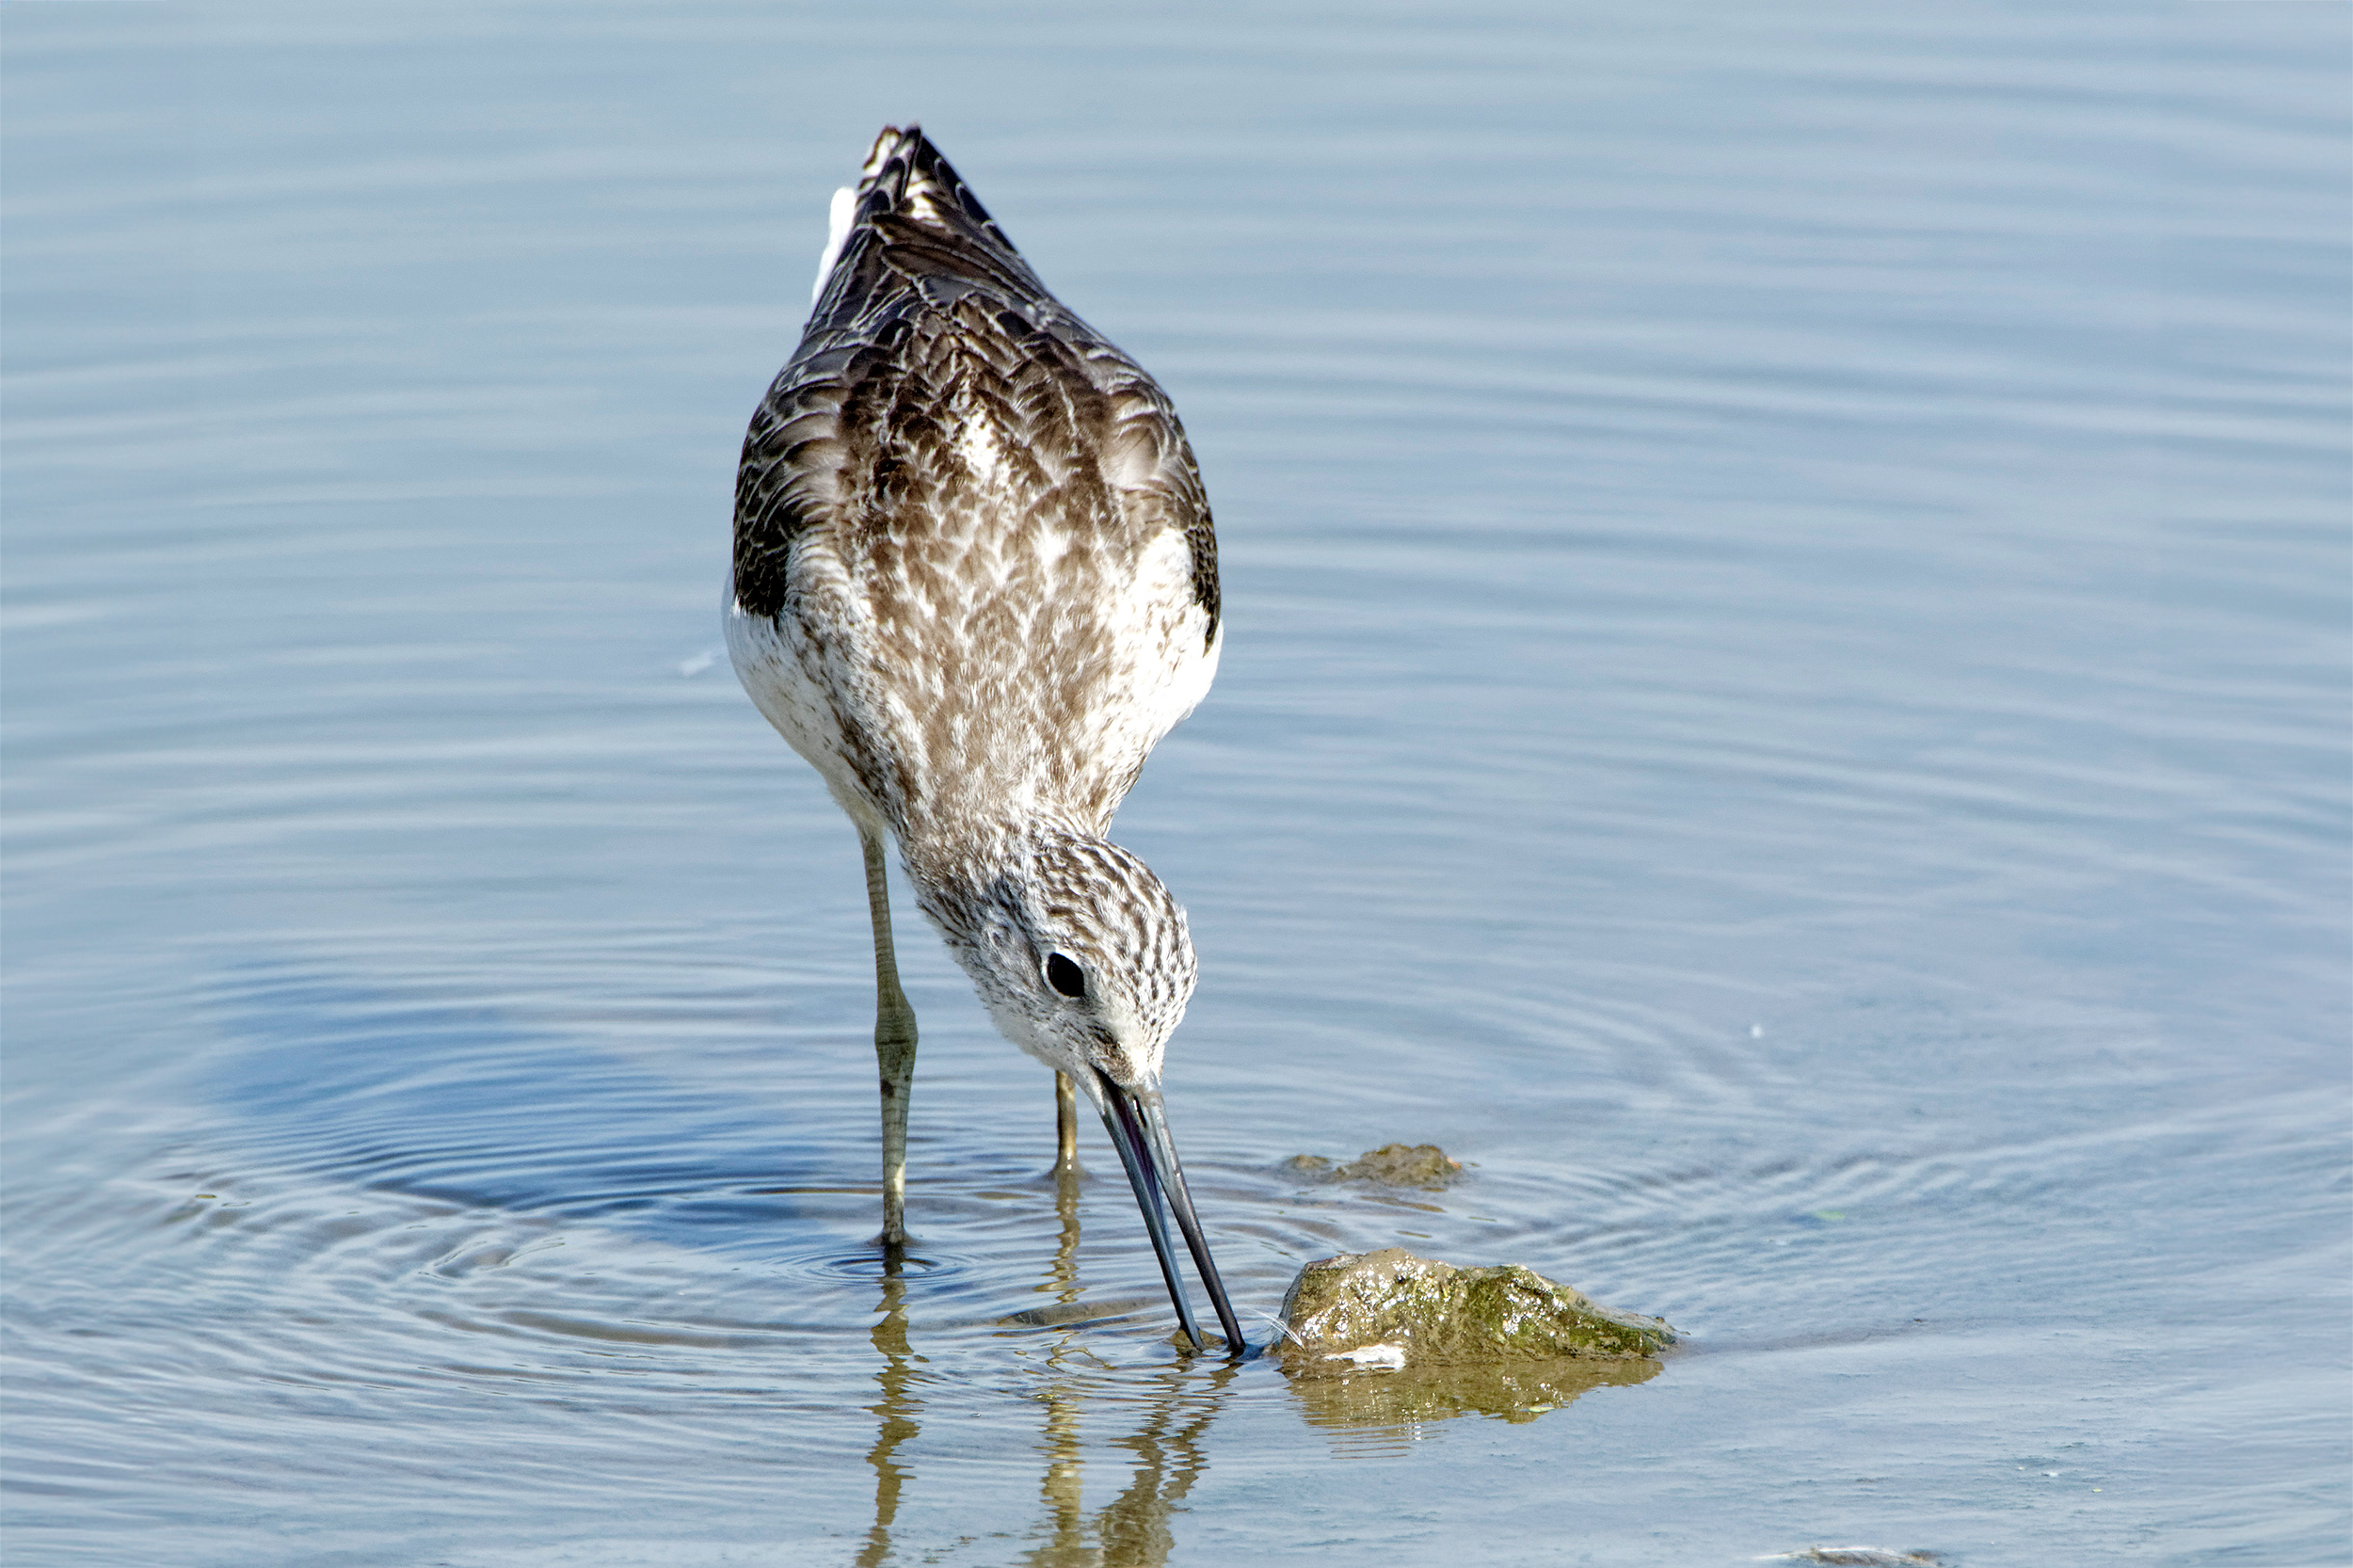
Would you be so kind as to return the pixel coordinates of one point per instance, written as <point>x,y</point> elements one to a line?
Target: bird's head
<point>1078,952</point>
<point>1084,961</point>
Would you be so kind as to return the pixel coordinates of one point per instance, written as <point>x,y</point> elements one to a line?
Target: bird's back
<point>974,574</point>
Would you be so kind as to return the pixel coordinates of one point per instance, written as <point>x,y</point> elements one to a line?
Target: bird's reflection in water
<point>1364,1412</point>
<point>896,1412</point>
<point>1132,1530</point>
<point>1061,1489</point>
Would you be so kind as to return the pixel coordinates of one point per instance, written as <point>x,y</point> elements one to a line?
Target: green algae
<point>1423,1165</point>
<point>1434,1312</point>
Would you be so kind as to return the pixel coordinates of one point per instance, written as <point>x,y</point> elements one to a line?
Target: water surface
<point>1785,702</point>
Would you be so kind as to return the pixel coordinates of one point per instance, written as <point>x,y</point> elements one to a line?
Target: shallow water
<point>1785,702</point>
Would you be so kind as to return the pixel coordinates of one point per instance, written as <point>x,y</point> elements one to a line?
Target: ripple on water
<point>872,1264</point>
<point>391,1241</point>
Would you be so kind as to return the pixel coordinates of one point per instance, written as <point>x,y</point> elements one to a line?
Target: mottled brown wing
<point>924,265</point>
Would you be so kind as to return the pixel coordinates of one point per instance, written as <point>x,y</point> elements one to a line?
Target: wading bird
<point>974,584</point>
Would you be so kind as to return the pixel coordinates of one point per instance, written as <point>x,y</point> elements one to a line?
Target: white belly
<point>777,677</point>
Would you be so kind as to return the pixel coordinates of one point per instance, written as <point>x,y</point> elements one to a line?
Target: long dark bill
<point>1139,1129</point>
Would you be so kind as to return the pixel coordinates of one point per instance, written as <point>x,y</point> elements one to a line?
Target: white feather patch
<point>836,229</point>
<point>982,447</point>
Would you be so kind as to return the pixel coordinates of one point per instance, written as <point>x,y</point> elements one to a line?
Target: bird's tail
<point>906,185</point>
<point>905,177</point>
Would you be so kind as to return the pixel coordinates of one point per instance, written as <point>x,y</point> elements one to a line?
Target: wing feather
<point>957,490</point>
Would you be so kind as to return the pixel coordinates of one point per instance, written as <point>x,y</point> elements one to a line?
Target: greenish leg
<point>894,1045</point>
<point>1066,1124</point>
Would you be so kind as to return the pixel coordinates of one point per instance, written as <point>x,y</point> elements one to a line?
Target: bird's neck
<point>966,857</point>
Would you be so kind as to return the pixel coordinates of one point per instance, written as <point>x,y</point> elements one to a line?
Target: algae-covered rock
<point>1343,1311</point>
<point>1423,1165</point>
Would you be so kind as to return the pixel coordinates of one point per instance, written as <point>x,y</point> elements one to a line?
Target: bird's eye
<point>1065,976</point>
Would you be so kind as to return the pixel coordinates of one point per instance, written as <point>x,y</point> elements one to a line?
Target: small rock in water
<point>1424,1165</point>
<point>1339,1308</point>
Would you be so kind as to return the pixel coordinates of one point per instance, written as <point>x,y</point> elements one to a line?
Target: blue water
<point>1785,701</point>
